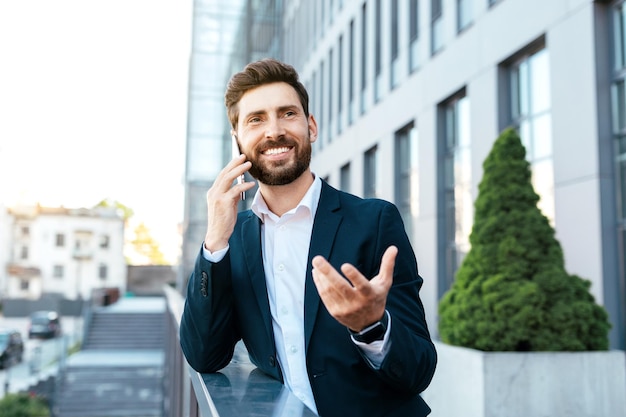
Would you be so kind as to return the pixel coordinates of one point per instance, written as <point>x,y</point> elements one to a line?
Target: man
<point>322,286</point>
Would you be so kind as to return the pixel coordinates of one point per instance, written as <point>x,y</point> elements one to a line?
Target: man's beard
<point>281,172</point>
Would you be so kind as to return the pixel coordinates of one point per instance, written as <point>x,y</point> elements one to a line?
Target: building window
<point>331,110</point>
<point>395,44</point>
<point>60,240</point>
<point>321,107</point>
<point>529,91</point>
<point>351,77</point>
<point>25,230</point>
<point>58,271</point>
<point>102,272</point>
<point>340,86</point>
<point>363,103</point>
<point>370,189</point>
<point>463,14</point>
<point>105,241</point>
<point>24,252</point>
<point>406,173</point>
<point>619,130</point>
<point>24,284</point>
<point>344,178</point>
<point>436,26</point>
<point>378,52</point>
<point>413,35</point>
<point>455,187</point>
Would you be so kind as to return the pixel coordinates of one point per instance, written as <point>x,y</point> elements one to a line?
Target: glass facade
<point>345,178</point>
<point>413,35</point>
<point>456,198</point>
<point>463,14</point>
<point>436,26</point>
<point>618,105</point>
<point>407,175</point>
<point>530,112</point>
<point>370,177</point>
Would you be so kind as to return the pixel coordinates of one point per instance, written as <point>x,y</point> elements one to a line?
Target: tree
<point>145,245</point>
<point>126,211</point>
<point>512,292</point>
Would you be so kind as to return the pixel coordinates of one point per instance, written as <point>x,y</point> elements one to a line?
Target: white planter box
<point>472,383</point>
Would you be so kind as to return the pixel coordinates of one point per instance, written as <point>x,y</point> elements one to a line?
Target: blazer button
<point>272,361</point>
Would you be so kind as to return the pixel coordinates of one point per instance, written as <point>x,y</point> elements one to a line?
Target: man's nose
<point>274,128</point>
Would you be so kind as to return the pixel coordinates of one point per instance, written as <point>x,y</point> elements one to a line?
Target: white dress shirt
<point>285,244</point>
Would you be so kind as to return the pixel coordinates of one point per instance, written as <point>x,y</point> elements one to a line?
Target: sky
<point>93,101</point>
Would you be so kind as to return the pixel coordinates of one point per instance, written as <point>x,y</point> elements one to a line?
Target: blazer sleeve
<point>208,330</point>
<point>410,362</point>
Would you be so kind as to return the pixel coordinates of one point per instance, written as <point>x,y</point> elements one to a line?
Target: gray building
<point>411,94</point>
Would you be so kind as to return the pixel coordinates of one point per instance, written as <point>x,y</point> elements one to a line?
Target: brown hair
<point>255,74</point>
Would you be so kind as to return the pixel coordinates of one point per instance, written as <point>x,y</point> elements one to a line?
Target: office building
<point>410,95</point>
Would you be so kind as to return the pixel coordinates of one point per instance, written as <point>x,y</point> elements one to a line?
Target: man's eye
<point>254,120</point>
<point>290,113</point>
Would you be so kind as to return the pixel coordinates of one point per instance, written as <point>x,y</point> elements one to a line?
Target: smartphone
<point>235,152</point>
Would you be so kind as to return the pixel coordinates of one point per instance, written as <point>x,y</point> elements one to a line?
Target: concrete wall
<point>473,383</point>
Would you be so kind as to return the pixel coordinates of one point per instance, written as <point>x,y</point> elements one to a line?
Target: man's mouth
<point>276,151</point>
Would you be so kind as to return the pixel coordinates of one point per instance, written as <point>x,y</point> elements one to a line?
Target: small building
<point>64,251</point>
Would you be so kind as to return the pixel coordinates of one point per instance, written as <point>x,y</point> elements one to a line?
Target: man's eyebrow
<point>280,109</point>
<point>254,113</point>
<point>288,107</point>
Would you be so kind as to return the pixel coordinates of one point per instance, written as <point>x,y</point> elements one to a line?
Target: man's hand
<point>222,199</point>
<point>360,304</point>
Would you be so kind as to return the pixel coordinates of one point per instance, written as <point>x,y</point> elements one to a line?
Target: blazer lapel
<point>325,226</point>
<point>251,243</point>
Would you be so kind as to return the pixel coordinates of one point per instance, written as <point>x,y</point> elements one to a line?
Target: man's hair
<point>255,74</point>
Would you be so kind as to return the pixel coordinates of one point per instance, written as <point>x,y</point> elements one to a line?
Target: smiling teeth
<point>275,151</point>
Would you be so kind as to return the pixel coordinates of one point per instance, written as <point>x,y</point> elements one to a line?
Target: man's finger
<point>388,263</point>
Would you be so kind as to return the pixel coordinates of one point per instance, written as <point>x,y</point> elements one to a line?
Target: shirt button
<point>281,267</point>
<point>284,310</point>
<point>283,227</point>
<point>293,349</point>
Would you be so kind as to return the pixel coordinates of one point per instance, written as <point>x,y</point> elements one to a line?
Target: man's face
<point>275,134</point>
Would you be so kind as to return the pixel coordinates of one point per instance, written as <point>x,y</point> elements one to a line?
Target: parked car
<point>44,325</point>
<point>11,347</point>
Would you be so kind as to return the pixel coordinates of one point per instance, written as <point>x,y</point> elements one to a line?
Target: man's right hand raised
<point>222,199</point>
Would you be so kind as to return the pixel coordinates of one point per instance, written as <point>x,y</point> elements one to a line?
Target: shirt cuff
<point>377,350</point>
<point>214,257</point>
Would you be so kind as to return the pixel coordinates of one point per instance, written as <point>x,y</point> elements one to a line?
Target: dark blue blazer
<point>227,301</point>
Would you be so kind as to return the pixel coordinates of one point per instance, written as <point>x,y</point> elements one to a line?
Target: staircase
<point>119,371</point>
<point>117,331</point>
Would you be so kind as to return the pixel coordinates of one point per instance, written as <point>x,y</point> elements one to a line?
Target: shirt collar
<point>310,200</point>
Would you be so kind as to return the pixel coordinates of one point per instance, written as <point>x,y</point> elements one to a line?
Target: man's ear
<point>312,128</point>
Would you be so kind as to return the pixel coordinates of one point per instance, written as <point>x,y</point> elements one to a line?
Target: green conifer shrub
<point>23,405</point>
<point>512,292</point>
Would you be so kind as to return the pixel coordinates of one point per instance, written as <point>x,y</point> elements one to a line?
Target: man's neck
<point>282,198</point>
